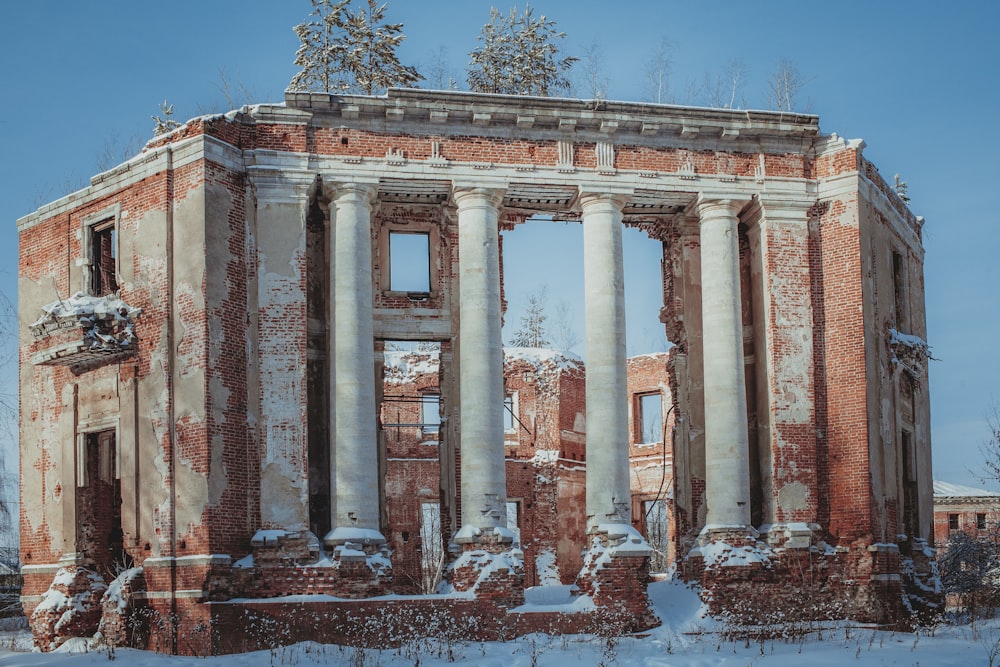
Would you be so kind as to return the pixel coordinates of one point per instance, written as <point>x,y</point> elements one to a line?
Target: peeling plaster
<point>793,497</point>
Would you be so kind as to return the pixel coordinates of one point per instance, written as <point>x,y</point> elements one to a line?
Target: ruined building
<point>206,408</point>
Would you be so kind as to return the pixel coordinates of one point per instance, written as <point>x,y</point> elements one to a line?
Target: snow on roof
<point>404,366</point>
<point>543,358</point>
<point>948,489</point>
<point>84,305</point>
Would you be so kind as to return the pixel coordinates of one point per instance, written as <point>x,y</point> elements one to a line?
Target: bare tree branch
<point>657,70</point>
<point>597,80</point>
<point>725,90</point>
<point>784,86</point>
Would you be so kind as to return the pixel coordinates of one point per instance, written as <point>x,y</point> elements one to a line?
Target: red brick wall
<point>839,355</point>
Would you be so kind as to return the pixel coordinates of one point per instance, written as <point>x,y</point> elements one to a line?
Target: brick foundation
<point>71,607</point>
<point>753,584</point>
<point>491,570</point>
<point>615,574</point>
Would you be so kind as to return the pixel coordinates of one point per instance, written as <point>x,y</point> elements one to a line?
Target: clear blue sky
<point>917,80</point>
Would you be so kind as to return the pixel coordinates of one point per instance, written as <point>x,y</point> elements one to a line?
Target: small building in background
<point>963,509</point>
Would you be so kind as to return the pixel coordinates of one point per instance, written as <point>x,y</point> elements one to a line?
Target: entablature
<point>624,121</point>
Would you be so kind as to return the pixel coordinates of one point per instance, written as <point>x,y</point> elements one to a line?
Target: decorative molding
<point>436,160</point>
<point>760,171</point>
<point>687,170</point>
<point>567,124</point>
<point>395,156</point>
<point>727,170</point>
<point>605,153</point>
<point>564,163</point>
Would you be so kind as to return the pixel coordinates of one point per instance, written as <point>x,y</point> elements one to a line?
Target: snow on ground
<point>686,639</point>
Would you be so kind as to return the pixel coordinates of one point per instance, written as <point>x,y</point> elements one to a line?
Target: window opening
<point>980,522</point>
<point>657,534</point>
<point>411,403</point>
<point>650,418</point>
<point>899,291</point>
<point>952,522</point>
<point>514,520</point>
<point>409,262</point>
<point>430,414</point>
<point>432,547</point>
<point>99,533</point>
<point>509,406</point>
<point>909,485</point>
<point>104,258</point>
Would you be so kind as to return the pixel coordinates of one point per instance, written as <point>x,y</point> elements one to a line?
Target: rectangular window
<point>432,547</point>
<point>899,292</point>
<point>430,414</point>
<point>655,513</point>
<point>649,420</point>
<point>513,520</point>
<point>509,413</point>
<point>980,522</point>
<point>952,522</point>
<point>409,262</point>
<point>103,258</point>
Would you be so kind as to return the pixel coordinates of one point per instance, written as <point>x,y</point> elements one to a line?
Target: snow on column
<point>354,460</point>
<point>727,471</point>
<point>480,356</point>
<point>608,493</point>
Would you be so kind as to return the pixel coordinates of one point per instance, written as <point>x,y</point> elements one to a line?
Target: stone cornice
<point>144,165</point>
<point>445,112</point>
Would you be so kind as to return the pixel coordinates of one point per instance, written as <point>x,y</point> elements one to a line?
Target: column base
<point>615,574</point>
<point>753,586</point>
<point>284,546</point>
<point>490,567</point>
<point>795,535</point>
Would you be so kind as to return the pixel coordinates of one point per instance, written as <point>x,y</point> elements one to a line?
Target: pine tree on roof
<point>518,56</point>
<point>345,51</point>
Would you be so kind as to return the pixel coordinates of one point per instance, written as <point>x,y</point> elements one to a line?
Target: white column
<point>727,468</point>
<point>354,460</point>
<point>608,492</point>
<point>480,362</point>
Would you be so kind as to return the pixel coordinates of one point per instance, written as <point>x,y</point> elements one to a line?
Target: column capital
<point>716,207</point>
<point>281,188</point>
<point>591,201</point>
<point>342,190</point>
<point>773,210</point>
<point>477,196</point>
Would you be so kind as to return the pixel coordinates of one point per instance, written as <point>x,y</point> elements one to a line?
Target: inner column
<point>354,463</point>
<point>727,468</point>
<point>480,363</point>
<point>608,493</point>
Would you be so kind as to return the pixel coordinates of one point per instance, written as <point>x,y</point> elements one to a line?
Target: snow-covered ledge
<point>84,331</point>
